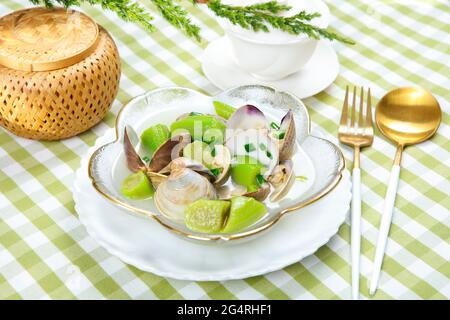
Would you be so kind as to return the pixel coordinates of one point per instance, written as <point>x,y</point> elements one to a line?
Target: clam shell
<point>182,187</point>
<point>260,194</point>
<point>282,179</point>
<point>155,178</point>
<point>287,145</point>
<point>222,159</point>
<point>227,192</point>
<point>134,161</point>
<point>183,162</point>
<point>247,117</point>
<point>168,151</point>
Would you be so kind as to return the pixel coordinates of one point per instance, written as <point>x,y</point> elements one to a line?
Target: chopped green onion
<point>301,178</point>
<point>211,141</point>
<point>260,179</point>
<point>215,171</point>
<point>193,113</point>
<point>275,126</point>
<point>249,147</point>
<point>280,135</point>
<point>146,159</point>
<point>262,146</point>
<point>213,152</point>
<point>269,155</point>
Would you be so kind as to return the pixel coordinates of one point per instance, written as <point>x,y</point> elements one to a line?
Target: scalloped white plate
<point>144,244</point>
<point>318,159</point>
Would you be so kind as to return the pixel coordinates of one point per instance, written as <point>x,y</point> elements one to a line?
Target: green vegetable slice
<point>244,212</point>
<point>245,170</point>
<point>206,215</point>
<point>223,110</point>
<point>137,186</point>
<point>155,136</point>
<point>199,126</point>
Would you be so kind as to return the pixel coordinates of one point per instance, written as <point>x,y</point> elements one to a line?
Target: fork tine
<point>345,109</point>
<point>361,110</point>
<point>369,110</point>
<point>352,123</point>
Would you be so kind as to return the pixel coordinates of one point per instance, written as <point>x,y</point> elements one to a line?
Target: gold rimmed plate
<point>321,161</point>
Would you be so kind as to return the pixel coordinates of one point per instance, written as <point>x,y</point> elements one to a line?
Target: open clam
<point>221,161</point>
<point>287,143</point>
<point>247,117</point>
<point>282,178</point>
<point>182,187</point>
<point>248,135</point>
<point>134,161</point>
<point>182,162</point>
<point>168,151</point>
<point>171,149</point>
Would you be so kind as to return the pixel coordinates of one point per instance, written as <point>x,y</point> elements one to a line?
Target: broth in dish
<point>216,173</point>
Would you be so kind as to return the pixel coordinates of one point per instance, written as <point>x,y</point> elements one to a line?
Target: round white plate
<point>148,246</point>
<point>323,68</point>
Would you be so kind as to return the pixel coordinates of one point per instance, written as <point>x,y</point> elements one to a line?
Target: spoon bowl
<point>405,116</point>
<point>408,115</point>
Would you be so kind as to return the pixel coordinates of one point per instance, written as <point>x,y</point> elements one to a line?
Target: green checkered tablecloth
<point>46,253</point>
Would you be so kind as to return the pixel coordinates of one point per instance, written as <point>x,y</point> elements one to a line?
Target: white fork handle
<point>355,231</point>
<point>385,225</point>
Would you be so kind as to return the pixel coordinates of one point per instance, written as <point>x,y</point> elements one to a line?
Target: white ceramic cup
<point>277,56</point>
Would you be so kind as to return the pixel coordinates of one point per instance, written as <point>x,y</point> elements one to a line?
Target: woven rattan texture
<point>37,36</point>
<point>52,105</point>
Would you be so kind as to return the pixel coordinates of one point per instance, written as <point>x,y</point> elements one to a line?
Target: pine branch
<point>127,10</point>
<point>271,6</point>
<point>178,17</point>
<point>258,17</point>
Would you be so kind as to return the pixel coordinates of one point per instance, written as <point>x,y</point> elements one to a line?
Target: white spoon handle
<point>355,231</point>
<point>385,225</point>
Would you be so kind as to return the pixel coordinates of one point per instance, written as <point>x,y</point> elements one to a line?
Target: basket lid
<point>40,39</point>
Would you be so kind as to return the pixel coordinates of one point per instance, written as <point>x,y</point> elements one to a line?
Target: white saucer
<point>145,244</point>
<point>323,68</point>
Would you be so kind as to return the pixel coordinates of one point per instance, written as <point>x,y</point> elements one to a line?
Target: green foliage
<point>125,9</point>
<point>177,16</point>
<point>256,17</point>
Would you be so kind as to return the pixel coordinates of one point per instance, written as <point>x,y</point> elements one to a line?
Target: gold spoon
<point>406,116</point>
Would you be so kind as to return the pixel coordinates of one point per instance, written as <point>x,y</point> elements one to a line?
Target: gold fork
<point>357,136</point>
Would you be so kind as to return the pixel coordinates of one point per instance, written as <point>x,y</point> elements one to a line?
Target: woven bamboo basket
<point>59,73</point>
